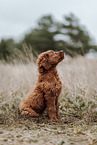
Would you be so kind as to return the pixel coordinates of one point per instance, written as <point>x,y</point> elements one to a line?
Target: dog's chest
<point>56,85</point>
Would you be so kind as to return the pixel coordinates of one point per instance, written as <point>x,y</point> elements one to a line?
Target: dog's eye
<point>47,55</point>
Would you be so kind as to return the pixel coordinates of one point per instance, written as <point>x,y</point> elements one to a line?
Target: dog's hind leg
<point>29,112</point>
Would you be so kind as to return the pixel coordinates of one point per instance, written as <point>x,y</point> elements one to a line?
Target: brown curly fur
<point>48,87</point>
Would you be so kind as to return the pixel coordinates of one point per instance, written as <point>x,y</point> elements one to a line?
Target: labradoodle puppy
<point>47,90</point>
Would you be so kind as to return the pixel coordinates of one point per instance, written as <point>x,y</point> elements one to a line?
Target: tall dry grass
<point>77,100</point>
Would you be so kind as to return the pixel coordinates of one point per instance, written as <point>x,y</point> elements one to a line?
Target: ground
<point>78,105</point>
<point>56,133</point>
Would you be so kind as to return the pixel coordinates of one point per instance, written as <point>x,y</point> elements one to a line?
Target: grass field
<point>78,105</point>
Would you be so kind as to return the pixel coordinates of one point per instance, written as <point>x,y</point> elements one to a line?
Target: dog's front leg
<point>51,107</point>
<point>57,108</point>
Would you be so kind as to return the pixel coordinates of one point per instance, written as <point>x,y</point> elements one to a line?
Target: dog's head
<point>49,59</point>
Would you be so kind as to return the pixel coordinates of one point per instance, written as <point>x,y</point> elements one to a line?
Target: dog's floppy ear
<point>43,63</point>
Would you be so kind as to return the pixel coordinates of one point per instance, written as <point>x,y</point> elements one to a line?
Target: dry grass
<point>78,103</point>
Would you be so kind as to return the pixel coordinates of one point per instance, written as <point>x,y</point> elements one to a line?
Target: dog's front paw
<point>54,118</point>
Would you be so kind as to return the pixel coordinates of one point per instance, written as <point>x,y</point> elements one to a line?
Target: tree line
<point>50,34</point>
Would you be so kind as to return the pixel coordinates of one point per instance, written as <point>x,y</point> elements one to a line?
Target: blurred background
<point>33,26</point>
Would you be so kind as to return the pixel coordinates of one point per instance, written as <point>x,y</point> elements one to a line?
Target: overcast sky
<point>18,16</point>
